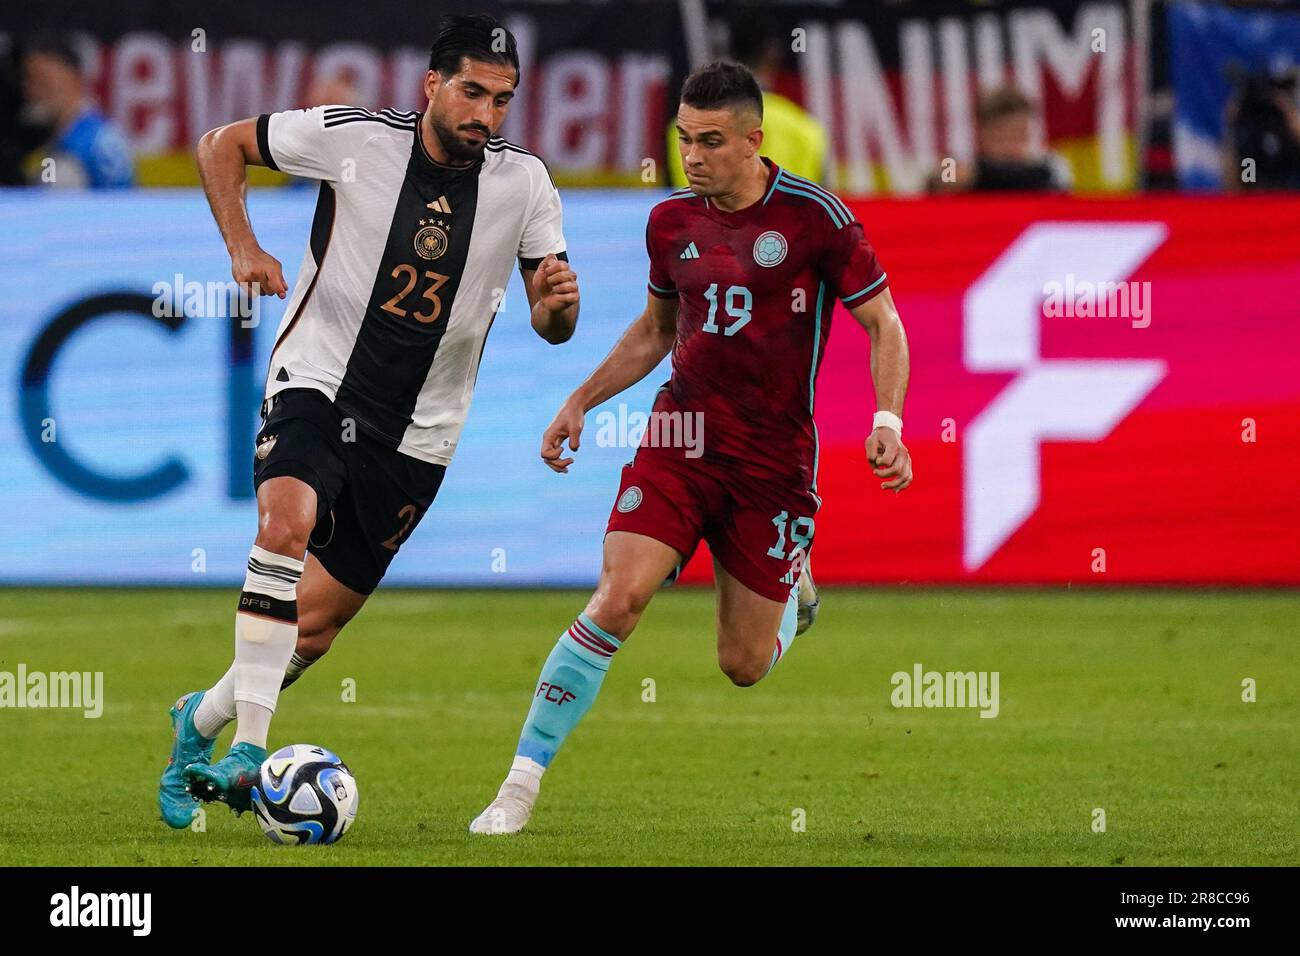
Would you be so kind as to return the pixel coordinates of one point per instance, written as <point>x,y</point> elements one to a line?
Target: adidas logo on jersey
<point>440,205</point>
<point>690,252</point>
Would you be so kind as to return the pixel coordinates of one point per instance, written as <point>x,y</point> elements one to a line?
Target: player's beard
<point>459,150</point>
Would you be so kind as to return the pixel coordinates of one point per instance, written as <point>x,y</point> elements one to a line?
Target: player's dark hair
<point>723,85</point>
<point>55,45</point>
<point>478,36</point>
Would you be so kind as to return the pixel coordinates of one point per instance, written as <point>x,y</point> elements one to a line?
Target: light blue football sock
<point>566,689</point>
<point>785,634</point>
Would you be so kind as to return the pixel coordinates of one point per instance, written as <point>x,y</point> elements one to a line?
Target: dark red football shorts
<point>759,530</point>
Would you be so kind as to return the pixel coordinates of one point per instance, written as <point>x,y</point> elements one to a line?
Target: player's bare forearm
<point>641,348</point>
<point>890,364</point>
<point>638,352</point>
<point>555,327</point>
<point>889,457</point>
<point>222,156</point>
<point>552,290</point>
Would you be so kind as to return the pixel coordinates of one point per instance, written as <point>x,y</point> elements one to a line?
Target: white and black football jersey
<point>406,266</point>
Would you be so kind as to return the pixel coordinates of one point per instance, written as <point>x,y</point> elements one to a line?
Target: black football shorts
<point>369,496</point>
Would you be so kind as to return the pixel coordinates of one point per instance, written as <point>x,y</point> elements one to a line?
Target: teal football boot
<point>188,747</point>
<point>230,780</point>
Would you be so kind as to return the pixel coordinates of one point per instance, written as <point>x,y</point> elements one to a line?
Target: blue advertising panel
<point>1219,55</point>
<point>130,388</point>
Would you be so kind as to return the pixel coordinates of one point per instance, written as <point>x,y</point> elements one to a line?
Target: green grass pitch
<point>1126,701</point>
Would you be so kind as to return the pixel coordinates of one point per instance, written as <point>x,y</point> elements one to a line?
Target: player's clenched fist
<point>556,284</point>
<point>257,270</point>
<point>890,459</point>
<point>567,424</point>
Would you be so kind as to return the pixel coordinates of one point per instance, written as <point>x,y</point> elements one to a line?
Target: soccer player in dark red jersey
<point>745,265</point>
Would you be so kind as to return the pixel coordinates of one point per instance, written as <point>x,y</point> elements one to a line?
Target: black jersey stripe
<point>370,119</point>
<point>361,115</point>
<point>322,229</point>
<point>356,112</point>
<point>411,297</point>
<point>510,147</point>
<point>500,141</point>
<point>264,140</point>
<point>499,145</point>
<point>403,115</point>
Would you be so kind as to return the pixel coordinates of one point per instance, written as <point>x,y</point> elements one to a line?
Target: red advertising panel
<point>1102,392</point>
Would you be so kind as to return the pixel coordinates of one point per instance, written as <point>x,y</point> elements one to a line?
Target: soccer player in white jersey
<point>420,219</point>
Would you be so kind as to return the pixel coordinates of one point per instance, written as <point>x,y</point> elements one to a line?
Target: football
<point>305,794</point>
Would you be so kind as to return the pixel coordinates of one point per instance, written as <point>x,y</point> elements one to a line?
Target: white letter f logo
<point>1050,400</point>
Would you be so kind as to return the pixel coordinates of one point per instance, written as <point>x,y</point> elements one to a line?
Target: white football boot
<point>809,599</point>
<point>511,810</point>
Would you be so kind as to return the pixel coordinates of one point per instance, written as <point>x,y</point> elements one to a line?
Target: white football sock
<point>525,775</point>
<point>217,708</point>
<point>266,632</point>
<point>254,723</point>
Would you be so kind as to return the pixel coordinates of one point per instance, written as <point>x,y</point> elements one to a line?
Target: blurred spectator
<point>1157,169</point>
<point>792,137</point>
<point>86,148</point>
<point>17,137</point>
<point>337,89</point>
<point>1006,159</point>
<point>1261,123</point>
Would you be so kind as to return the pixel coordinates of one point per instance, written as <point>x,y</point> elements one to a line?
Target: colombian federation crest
<point>629,500</point>
<point>770,249</point>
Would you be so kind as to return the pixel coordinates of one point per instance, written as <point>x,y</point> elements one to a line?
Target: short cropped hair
<point>1001,103</point>
<point>723,85</point>
<point>478,36</point>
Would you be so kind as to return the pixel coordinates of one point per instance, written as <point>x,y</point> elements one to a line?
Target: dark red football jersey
<point>756,289</point>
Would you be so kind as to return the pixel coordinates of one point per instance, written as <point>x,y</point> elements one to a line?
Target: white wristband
<point>887,420</point>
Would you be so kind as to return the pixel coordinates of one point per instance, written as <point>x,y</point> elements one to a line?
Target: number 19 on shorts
<point>793,537</point>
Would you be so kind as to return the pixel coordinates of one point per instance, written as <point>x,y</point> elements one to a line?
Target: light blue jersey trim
<point>824,192</point>
<point>830,211</point>
<point>817,456</point>
<point>817,344</point>
<point>772,188</point>
<point>847,298</point>
<point>812,385</point>
<point>657,289</point>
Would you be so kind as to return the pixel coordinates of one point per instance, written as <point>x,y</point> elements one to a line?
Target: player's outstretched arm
<point>222,155</point>
<point>552,290</point>
<point>637,354</point>
<point>889,372</point>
